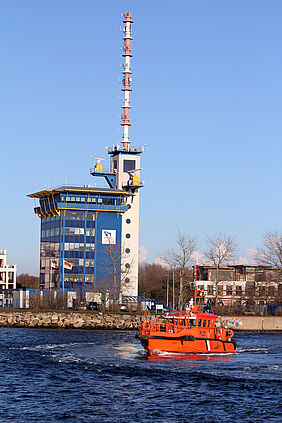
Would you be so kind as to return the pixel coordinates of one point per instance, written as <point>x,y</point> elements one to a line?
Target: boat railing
<point>151,322</point>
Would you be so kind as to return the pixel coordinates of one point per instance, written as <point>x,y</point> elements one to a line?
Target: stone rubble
<point>70,320</point>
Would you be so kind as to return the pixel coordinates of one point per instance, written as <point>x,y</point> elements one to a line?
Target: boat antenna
<point>195,290</point>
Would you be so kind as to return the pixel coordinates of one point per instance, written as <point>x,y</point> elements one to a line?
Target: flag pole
<point>63,276</point>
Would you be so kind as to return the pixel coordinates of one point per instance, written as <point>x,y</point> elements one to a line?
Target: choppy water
<point>103,376</point>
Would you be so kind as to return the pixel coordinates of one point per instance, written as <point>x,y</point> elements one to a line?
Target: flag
<point>54,265</point>
<point>67,265</point>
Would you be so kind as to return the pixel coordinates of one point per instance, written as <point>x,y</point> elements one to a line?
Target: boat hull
<point>186,346</point>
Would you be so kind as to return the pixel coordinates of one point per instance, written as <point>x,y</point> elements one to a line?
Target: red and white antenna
<point>126,79</point>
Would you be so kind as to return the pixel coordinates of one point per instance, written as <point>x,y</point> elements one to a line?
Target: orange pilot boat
<point>192,331</point>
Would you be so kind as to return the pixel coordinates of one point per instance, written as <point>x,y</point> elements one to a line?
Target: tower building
<point>90,236</point>
<point>125,172</point>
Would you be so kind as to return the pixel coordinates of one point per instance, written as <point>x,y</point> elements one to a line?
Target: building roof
<point>233,266</point>
<point>78,189</point>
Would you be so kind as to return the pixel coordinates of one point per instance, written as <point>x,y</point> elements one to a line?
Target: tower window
<point>128,165</point>
<point>127,265</point>
<point>115,164</point>
<point>127,235</point>
<point>127,250</point>
<point>128,221</point>
<point>127,280</point>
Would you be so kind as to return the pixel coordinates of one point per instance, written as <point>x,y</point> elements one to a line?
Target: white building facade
<point>8,278</point>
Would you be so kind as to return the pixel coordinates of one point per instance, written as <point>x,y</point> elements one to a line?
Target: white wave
<point>53,346</point>
<point>240,350</point>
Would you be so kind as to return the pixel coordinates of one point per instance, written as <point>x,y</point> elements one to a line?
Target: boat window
<point>204,323</point>
<point>170,321</point>
<point>192,322</point>
<point>199,322</point>
<point>208,323</point>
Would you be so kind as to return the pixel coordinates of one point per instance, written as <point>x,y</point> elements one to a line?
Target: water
<point>104,376</point>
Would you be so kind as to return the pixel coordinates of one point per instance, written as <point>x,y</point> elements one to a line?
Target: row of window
<point>78,277</point>
<point>204,323</point>
<point>91,200</point>
<point>80,231</point>
<point>80,262</point>
<point>75,246</point>
<point>50,232</point>
<point>228,290</point>
<point>77,215</point>
<point>51,219</point>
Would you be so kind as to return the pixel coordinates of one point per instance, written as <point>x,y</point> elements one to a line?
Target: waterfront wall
<point>254,323</point>
<point>77,320</point>
<point>68,320</point>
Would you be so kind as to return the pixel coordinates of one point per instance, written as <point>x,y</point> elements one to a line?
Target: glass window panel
<point>128,165</point>
<point>71,246</point>
<point>76,246</point>
<point>80,262</point>
<point>90,216</point>
<point>81,231</point>
<point>76,231</point>
<point>81,247</point>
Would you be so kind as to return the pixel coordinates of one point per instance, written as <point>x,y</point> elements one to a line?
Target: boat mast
<point>195,290</point>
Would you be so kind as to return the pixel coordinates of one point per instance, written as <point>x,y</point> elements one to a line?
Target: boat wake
<point>243,350</point>
<point>164,355</point>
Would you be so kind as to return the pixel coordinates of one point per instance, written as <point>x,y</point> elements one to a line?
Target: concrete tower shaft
<point>126,79</point>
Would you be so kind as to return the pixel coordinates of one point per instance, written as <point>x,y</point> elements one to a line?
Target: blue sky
<point>207,101</point>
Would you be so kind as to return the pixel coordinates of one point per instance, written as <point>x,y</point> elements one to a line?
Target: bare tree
<point>271,254</point>
<point>24,280</point>
<point>114,273</point>
<point>180,258</point>
<point>220,251</point>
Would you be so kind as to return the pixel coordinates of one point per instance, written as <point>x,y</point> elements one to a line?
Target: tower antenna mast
<point>126,79</point>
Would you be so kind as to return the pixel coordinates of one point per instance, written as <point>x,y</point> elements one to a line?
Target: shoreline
<point>117,321</point>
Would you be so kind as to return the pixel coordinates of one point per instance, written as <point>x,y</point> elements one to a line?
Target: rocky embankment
<point>68,320</point>
<point>84,320</point>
